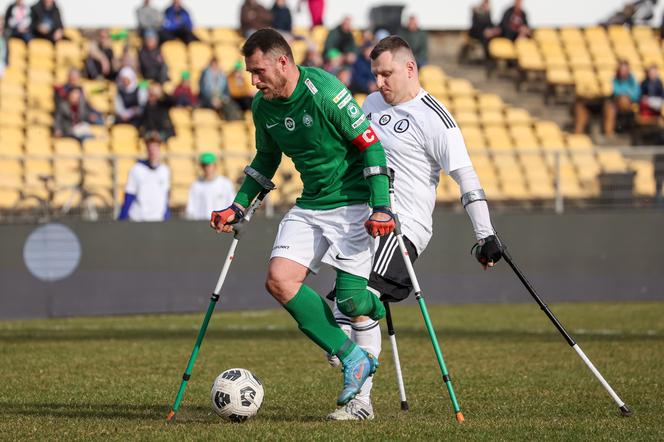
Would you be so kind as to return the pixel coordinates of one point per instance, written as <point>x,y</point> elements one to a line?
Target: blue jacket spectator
<point>177,24</point>
<point>214,92</point>
<point>362,79</point>
<point>626,86</point>
<point>652,94</point>
<point>281,17</point>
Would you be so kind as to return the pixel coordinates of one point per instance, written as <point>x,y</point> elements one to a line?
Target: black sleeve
<point>34,18</point>
<point>8,13</point>
<point>58,19</point>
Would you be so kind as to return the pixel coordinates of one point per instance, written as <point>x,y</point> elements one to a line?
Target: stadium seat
<point>124,139</point>
<point>515,115</point>
<point>175,55</point>
<point>66,172</point>
<point>235,137</point>
<point>181,117</point>
<point>68,53</point>
<point>179,195</point>
<point>207,138</point>
<point>66,147</point>
<point>611,160</point>
<point>97,173</point>
<point>11,173</point>
<point>225,35</point>
<point>204,118</point>
<point>178,144</point>
<point>228,55</point>
<point>35,170</point>
<point>38,117</point>
<point>9,198</point>
<point>203,34</point>
<point>464,104</point>
<point>38,141</point>
<point>460,87</point>
<point>183,171</point>
<point>578,142</point>
<point>200,54</point>
<point>490,102</point>
<point>10,118</point>
<point>502,49</point>
<point>644,181</point>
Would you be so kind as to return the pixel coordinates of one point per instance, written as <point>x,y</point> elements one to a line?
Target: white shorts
<point>336,237</point>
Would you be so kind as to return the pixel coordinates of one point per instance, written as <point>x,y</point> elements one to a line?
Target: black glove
<point>488,250</point>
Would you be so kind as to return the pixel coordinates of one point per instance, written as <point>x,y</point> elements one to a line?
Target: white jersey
<point>420,138</point>
<point>150,187</point>
<point>206,196</point>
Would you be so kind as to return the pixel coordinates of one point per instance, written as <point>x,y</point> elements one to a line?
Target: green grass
<point>516,379</point>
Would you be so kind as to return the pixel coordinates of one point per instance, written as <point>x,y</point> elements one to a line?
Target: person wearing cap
<point>209,191</point>
<point>183,94</point>
<point>148,186</point>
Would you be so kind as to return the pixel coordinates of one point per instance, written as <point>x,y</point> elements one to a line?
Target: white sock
<point>343,321</point>
<point>366,334</point>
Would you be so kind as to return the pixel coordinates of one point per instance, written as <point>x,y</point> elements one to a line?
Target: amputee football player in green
<point>308,115</point>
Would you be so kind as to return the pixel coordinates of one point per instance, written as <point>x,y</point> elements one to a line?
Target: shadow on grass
<point>96,411</point>
<point>154,412</point>
<point>153,334</point>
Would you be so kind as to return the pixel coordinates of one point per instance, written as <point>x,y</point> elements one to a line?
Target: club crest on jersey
<point>307,120</point>
<point>384,120</point>
<point>401,126</point>
<point>289,123</point>
<point>352,110</point>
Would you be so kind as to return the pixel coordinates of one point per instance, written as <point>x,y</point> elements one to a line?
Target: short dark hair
<point>267,39</point>
<point>391,44</point>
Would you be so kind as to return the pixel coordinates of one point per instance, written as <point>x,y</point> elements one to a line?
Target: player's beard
<point>276,90</point>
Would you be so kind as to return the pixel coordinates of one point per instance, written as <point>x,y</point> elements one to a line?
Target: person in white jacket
<point>210,191</point>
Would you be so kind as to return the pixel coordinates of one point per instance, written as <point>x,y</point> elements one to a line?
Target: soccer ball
<point>236,394</point>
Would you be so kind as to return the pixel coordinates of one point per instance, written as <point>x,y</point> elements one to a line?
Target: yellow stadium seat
<point>183,171</point>
<point>203,34</point>
<point>179,195</point>
<point>531,61</point>
<point>642,32</point>
<point>181,117</point>
<point>66,198</point>
<point>579,142</point>
<point>491,117</point>
<point>611,160</point>
<point>11,173</point>
<point>9,198</point>
<point>432,73</point>
<point>473,138</point>
<point>502,49</point>
<point>66,147</point>
<point>10,118</point>
<point>490,102</point>
<point>124,139</point>
<point>299,48</point>
<point>360,98</point>
<point>516,115</point>
<point>36,171</point>
<point>546,35</point>
<point>9,89</point>
<point>225,35</point>
<point>595,34</point>
<point>68,53</point>
<point>40,48</point>
<point>466,118</point>
<point>644,181</point>
<point>559,77</point>
<point>200,54</point>
<point>38,117</point>
<point>38,141</point>
<point>235,136</point>
<point>14,75</point>
<point>204,118</point>
<point>175,54</point>
<point>571,35</point>
<point>97,173</point>
<point>179,144</point>
<point>460,87</point>
<point>228,55</point>
<point>66,172</point>
<point>17,47</point>
<point>207,138</point>
<point>13,104</point>
<point>464,104</point>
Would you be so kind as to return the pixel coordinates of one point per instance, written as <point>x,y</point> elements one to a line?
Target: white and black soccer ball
<point>236,394</point>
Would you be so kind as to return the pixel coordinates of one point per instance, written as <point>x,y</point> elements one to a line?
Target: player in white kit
<point>420,138</point>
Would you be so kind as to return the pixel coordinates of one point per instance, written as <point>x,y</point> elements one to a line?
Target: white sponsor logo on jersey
<point>352,110</point>
<point>289,123</point>
<point>340,95</point>
<point>270,126</point>
<point>307,120</point>
<point>359,121</point>
<point>345,101</point>
<point>311,86</point>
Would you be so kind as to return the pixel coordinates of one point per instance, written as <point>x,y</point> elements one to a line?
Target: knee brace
<point>353,298</point>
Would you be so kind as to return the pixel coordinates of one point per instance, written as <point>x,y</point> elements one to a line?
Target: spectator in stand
<point>652,94</point>
<point>130,99</point>
<point>618,108</point>
<point>241,90</point>
<point>155,115</point>
<point>101,62</point>
<point>45,21</point>
<point>335,61</point>
<point>74,115</point>
<point>417,39</point>
<point>253,16</point>
<point>341,38</point>
<point>514,23</point>
<point>148,187</point>
<point>345,75</point>
<point>312,58</point>
<point>482,27</point>
<point>316,10</point>
<point>17,21</point>
<point>177,24</point>
<point>214,94</point>
<point>210,191</point>
<point>362,79</point>
<point>149,18</point>
<point>73,81</point>
<point>281,18</point>
<point>150,59</point>
<point>183,95</point>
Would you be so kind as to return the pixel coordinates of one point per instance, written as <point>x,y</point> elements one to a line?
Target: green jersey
<point>326,134</point>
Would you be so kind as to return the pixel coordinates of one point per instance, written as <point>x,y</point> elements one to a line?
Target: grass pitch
<point>516,379</point>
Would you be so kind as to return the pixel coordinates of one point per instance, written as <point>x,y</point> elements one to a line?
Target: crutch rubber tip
<point>625,411</point>
<point>171,416</point>
<point>404,406</point>
<point>459,417</point>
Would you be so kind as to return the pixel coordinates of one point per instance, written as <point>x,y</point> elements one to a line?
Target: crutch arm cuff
<point>472,196</point>
<point>261,179</point>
